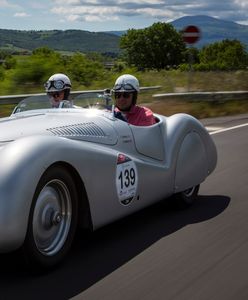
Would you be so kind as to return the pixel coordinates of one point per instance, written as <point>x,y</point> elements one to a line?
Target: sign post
<point>191,34</point>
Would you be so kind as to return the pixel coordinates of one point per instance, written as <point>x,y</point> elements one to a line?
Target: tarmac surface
<point>160,253</point>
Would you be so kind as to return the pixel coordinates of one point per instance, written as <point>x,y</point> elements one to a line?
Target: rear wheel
<point>186,198</point>
<point>53,219</point>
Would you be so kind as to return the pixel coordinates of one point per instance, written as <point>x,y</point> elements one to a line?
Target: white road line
<point>212,128</point>
<point>229,128</point>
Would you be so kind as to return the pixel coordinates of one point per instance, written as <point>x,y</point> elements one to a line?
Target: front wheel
<point>53,219</point>
<point>186,198</point>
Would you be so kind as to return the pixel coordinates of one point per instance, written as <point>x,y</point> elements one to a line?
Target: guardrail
<point>14,99</point>
<point>187,96</point>
<point>221,96</point>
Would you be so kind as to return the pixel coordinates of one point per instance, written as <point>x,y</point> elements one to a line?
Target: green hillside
<point>68,40</point>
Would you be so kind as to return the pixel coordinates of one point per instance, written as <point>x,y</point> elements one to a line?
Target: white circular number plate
<point>126,181</point>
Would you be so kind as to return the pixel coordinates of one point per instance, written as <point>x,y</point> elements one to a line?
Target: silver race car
<point>80,166</point>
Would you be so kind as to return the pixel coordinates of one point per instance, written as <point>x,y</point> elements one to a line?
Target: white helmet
<point>57,82</point>
<point>126,83</point>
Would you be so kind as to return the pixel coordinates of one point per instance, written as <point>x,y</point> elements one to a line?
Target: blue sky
<point>96,15</point>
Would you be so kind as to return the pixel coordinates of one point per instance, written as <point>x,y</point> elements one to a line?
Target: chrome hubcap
<point>52,217</point>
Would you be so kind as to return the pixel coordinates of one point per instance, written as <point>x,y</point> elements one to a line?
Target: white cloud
<point>85,10</point>
<point>4,3</point>
<point>139,2</point>
<point>7,4</point>
<point>167,10</point>
<point>95,18</point>
<point>87,13</point>
<point>157,13</point>
<point>21,15</point>
<point>72,18</point>
<point>67,2</point>
<point>99,11</point>
<point>38,5</point>
<point>241,3</point>
<point>113,14</point>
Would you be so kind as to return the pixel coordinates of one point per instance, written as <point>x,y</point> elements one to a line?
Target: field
<point>176,81</point>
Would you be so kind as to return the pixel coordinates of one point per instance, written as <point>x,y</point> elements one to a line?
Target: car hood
<point>80,124</point>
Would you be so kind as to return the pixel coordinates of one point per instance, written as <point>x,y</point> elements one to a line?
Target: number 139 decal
<point>126,179</point>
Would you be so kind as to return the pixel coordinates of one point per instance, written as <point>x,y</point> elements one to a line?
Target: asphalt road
<point>160,253</point>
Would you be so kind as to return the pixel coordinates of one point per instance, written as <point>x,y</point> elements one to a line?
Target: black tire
<point>186,198</point>
<point>52,220</point>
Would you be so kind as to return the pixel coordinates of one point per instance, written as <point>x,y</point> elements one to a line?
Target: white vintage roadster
<point>73,166</point>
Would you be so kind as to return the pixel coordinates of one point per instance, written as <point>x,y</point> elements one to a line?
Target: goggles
<point>124,87</point>
<point>57,84</point>
<point>124,95</point>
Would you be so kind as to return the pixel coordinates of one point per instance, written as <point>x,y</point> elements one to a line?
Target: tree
<point>7,60</point>
<point>225,55</point>
<point>34,70</point>
<point>156,47</point>
<point>4,54</point>
<point>191,55</point>
<point>84,70</point>
<point>43,51</point>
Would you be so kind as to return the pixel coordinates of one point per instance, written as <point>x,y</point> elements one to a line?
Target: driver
<point>58,88</point>
<point>125,91</point>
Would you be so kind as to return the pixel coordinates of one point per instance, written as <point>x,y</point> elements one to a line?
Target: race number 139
<point>127,177</point>
<point>126,180</point>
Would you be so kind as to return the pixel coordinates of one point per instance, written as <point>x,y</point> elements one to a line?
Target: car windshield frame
<point>96,100</point>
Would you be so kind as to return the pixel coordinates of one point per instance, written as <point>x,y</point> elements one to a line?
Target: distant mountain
<point>68,40</point>
<point>118,33</point>
<point>213,30</point>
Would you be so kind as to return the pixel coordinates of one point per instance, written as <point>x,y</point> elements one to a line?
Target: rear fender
<point>191,151</point>
<point>192,163</point>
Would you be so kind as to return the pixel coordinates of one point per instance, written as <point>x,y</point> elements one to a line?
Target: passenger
<point>125,91</point>
<point>58,88</point>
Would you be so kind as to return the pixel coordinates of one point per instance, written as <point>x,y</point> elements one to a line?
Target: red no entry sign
<point>191,34</point>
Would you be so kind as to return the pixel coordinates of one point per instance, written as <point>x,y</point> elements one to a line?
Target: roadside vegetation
<point>157,55</point>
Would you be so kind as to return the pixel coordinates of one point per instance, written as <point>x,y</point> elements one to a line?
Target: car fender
<point>22,164</point>
<point>191,166</point>
<point>192,152</point>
